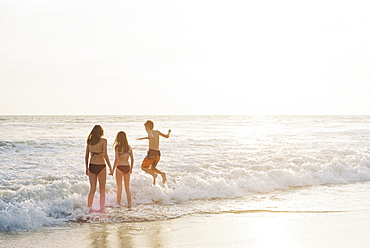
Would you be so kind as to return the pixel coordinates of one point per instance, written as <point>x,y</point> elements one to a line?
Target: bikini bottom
<point>124,168</point>
<point>96,168</point>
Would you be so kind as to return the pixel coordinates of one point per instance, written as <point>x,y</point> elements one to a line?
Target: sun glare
<point>272,232</point>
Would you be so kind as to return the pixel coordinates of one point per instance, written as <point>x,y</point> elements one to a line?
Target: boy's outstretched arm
<point>143,138</point>
<point>165,135</point>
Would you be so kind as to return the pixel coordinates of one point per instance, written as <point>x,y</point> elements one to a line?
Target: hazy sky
<point>184,57</point>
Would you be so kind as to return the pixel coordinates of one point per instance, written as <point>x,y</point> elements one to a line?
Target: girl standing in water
<point>123,165</point>
<point>96,150</point>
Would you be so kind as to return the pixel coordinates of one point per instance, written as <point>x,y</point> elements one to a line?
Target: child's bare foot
<point>164,178</point>
<point>154,178</point>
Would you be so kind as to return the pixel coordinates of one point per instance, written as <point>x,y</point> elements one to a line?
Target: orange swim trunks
<point>151,160</point>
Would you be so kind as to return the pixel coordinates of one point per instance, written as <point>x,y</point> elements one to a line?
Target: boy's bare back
<point>153,136</point>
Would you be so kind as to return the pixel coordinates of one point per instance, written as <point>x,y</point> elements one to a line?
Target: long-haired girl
<point>96,152</point>
<point>123,162</point>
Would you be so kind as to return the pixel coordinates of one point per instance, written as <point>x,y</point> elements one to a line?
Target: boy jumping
<point>151,160</point>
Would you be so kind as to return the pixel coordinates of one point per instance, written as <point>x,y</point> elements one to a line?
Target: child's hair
<point>95,135</point>
<point>149,124</point>
<point>121,143</point>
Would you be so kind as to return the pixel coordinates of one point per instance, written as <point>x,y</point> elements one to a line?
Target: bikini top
<point>129,152</point>
<point>123,153</point>
<point>95,153</point>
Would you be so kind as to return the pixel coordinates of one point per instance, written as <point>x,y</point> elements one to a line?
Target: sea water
<point>214,164</point>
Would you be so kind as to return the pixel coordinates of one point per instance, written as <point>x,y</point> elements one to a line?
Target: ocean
<point>214,164</point>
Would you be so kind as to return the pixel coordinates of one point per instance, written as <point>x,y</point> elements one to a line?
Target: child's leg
<point>147,170</point>
<point>164,178</point>
<point>119,186</point>
<point>146,166</point>
<point>126,178</point>
<point>102,177</point>
<point>93,180</point>
<point>154,168</point>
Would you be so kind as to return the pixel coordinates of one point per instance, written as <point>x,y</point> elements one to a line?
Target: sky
<point>201,57</point>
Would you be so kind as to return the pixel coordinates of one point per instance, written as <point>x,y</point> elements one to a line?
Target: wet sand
<point>254,229</point>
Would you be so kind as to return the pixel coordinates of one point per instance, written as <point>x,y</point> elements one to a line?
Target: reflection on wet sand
<point>154,235</point>
<point>127,235</point>
<point>99,236</point>
<point>125,238</point>
<point>238,230</point>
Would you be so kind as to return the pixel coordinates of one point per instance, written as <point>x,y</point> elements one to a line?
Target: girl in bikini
<point>96,152</point>
<point>123,165</point>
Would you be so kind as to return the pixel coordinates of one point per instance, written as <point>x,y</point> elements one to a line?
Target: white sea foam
<point>207,159</point>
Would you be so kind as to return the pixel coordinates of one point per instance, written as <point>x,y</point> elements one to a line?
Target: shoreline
<point>257,229</point>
